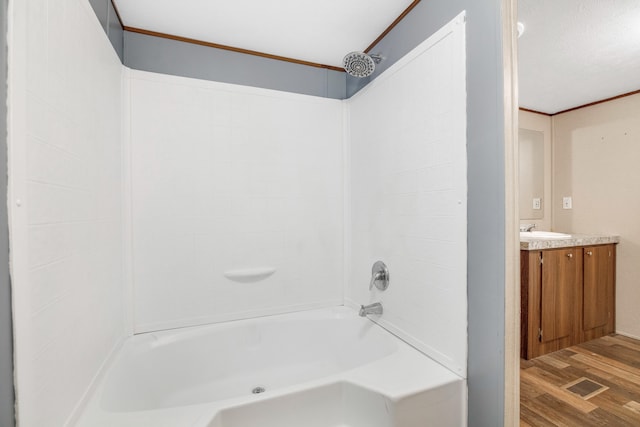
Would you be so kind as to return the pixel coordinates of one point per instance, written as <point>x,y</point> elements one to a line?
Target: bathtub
<point>319,368</point>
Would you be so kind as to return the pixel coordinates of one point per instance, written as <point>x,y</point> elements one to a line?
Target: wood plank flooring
<point>612,361</point>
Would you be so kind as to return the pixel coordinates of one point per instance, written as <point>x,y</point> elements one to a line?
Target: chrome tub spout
<point>375,308</point>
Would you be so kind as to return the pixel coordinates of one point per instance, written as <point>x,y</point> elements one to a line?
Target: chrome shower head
<point>359,64</point>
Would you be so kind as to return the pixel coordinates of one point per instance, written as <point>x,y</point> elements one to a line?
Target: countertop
<point>575,240</point>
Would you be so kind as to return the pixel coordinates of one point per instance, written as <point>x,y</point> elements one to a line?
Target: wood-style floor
<point>612,362</point>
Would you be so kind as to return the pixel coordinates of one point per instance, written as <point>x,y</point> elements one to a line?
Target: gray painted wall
<point>161,55</point>
<point>485,215</point>
<point>106,14</point>
<point>6,336</point>
<point>115,31</point>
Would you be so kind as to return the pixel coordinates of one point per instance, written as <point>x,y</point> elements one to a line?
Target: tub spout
<point>375,308</point>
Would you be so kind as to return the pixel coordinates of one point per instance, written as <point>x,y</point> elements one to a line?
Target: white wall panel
<point>227,177</point>
<point>409,196</point>
<point>66,233</point>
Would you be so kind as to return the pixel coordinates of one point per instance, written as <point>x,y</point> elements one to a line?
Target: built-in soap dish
<point>249,275</point>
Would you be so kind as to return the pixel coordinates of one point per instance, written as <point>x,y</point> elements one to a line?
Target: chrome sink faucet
<point>527,227</point>
<point>375,308</point>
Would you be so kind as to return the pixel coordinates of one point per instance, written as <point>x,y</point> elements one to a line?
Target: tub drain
<point>258,390</point>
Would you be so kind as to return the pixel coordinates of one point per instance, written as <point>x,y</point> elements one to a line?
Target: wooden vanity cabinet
<point>598,307</point>
<point>551,287</point>
<point>568,297</point>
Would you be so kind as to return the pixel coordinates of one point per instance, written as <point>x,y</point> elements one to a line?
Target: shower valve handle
<point>379,276</point>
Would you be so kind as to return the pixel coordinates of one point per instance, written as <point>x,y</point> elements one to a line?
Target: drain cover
<point>258,390</point>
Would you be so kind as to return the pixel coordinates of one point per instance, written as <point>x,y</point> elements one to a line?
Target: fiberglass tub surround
<point>329,366</point>
<point>251,224</point>
<point>146,203</point>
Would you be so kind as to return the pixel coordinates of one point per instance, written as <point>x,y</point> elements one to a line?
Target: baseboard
<point>625,334</point>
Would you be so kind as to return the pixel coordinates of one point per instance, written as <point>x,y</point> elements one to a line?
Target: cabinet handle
<point>589,253</point>
<point>569,255</point>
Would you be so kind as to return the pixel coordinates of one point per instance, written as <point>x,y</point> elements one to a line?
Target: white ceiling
<point>574,52</point>
<point>310,30</point>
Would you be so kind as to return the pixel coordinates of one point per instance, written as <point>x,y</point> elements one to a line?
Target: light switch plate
<point>537,203</point>
<point>567,203</point>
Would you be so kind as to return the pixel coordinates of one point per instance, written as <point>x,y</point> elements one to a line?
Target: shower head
<point>359,64</point>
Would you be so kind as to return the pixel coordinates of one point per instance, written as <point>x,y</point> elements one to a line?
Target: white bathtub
<point>321,368</point>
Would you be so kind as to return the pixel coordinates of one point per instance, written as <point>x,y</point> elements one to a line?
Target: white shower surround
<point>226,178</point>
<point>65,96</point>
<point>325,181</point>
<point>402,177</point>
<point>259,181</point>
<point>408,196</point>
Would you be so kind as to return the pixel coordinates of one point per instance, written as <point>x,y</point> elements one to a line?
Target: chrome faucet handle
<point>379,276</point>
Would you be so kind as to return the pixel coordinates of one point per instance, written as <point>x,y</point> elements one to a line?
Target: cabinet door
<point>559,299</point>
<point>598,290</point>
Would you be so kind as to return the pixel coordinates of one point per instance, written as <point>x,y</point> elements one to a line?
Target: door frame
<point>512,236</point>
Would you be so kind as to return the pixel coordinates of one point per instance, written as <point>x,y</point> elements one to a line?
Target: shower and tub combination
<point>378,356</point>
<point>215,242</point>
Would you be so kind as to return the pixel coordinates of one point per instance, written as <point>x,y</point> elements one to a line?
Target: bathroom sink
<point>543,235</point>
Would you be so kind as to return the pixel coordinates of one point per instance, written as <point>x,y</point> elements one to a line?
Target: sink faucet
<point>375,308</point>
<point>527,227</point>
